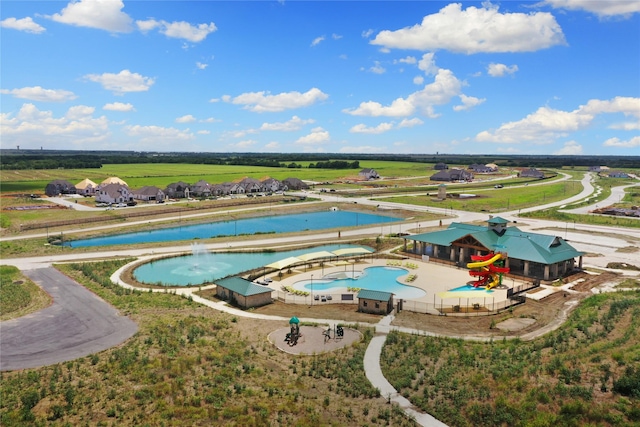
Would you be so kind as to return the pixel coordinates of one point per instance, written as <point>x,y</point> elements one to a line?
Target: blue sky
<point>511,77</point>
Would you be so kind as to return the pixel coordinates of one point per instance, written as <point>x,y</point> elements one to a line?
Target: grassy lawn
<point>585,373</point>
<point>19,296</point>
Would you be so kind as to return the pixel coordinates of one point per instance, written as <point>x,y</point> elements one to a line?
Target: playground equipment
<point>293,336</point>
<point>489,275</point>
<point>337,332</point>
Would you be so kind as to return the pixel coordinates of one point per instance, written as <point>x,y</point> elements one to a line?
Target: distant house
<point>149,193</point>
<point>271,185</point>
<point>479,168</point>
<point>440,166</point>
<point>113,193</point>
<point>452,175</point>
<point>376,302</point>
<point>177,190</point>
<point>531,173</point>
<point>618,174</point>
<point>113,180</point>
<point>200,189</point>
<point>251,185</point>
<point>598,168</point>
<point>86,187</point>
<point>58,187</point>
<point>243,293</point>
<point>294,184</point>
<point>368,173</point>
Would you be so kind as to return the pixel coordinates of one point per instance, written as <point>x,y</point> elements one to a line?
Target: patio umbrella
<point>294,319</point>
<point>352,251</point>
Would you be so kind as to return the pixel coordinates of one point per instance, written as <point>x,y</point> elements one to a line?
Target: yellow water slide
<point>480,264</point>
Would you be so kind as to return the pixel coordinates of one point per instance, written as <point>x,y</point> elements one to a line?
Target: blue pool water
<point>227,226</point>
<point>372,278</point>
<point>204,266</point>
<point>467,288</point>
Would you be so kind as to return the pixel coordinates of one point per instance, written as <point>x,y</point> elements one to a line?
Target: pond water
<point>372,278</point>
<point>204,266</point>
<point>228,226</point>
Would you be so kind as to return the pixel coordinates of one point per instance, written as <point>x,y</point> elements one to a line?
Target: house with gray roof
<point>113,193</point>
<point>294,184</point>
<point>58,187</point>
<point>530,255</point>
<point>368,173</point>
<point>243,293</point>
<point>177,190</point>
<point>452,175</point>
<point>148,193</point>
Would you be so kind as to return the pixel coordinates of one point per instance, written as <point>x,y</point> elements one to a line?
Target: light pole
<point>312,289</point>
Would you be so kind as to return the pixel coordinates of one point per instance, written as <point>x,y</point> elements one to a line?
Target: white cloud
<point>409,123</point>
<point>361,149</point>
<point>118,106</point>
<point>468,102</point>
<point>318,135</point>
<point>406,60</point>
<point>570,148</point>
<point>377,68</point>
<point>101,14</point>
<point>260,102</point>
<point>381,128</point>
<point>444,87</point>
<point>124,81</point>
<point>194,33</point>
<point>210,120</point>
<point>336,36</point>
<point>201,66</point>
<point>428,64</point>
<point>159,134</point>
<point>25,24</point>
<point>317,41</point>
<point>296,123</point>
<point>37,93</point>
<point>605,8</point>
<point>367,33</point>
<point>547,124</point>
<point>475,30</point>
<point>31,126</point>
<point>186,119</point>
<point>500,70</point>
<point>626,126</point>
<point>203,132</point>
<point>419,80</point>
<point>273,145</point>
<point>616,142</point>
<point>243,145</point>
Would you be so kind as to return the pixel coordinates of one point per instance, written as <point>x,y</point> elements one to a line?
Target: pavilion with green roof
<point>243,293</point>
<point>531,255</point>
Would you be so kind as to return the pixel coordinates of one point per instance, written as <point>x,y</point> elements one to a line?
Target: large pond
<point>232,227</point>
<point>204,266</point>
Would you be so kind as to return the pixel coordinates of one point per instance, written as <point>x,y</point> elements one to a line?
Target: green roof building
<point>531,255</point>
<point>376,302</point>
<point>243,293</point>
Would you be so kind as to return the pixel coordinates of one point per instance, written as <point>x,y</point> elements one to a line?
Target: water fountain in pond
<point>200,256</point>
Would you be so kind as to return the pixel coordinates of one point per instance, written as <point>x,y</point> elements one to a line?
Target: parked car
<point>498,186</point>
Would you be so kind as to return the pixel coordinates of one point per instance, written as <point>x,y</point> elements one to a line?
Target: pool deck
<point>434,278</point>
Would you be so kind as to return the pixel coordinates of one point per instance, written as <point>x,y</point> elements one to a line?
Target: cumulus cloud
<point>603,9</point>
<point>409,123</point>
<point>377,68</point>
<point>31,126</point>
<point>570,148</point>
<point>444,87</point>
<point>468,102</point>
<point>418,80</point>
<point>101,14</point>
<point>317,41</point>
<point>296,123</point>
<point>38,93</point>
<point>178,29</point>
<point>428,64</point>
<point>406,60</point>
<point>260,102</point>
<point>201,65</point>
<point>317,136</point>
<point>119,106</point>
<point>361,149</point>
<point>124,81</point>
<point>186,119</point>
<point>381,128</point>
<point>616,142</point>
<point>25,24</point>
<point>500,70</point>
<point>159,134</point>
<point>367,33</point>
<point>547,124</point>
<point>475,30</point>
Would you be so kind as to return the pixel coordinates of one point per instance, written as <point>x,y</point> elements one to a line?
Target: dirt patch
<point>347,312</point>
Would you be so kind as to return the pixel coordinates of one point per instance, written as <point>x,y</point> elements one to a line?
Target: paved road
<point>78,323</point>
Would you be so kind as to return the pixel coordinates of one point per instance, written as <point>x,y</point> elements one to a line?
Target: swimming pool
<point>204,266</point>
<point>229,226</point>
<point>372,278</point>
<point>467,288</point>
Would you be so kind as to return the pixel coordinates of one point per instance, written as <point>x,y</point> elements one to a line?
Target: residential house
<point>294,184</point>
<point>149,193</point>
<point>59,187</point>
<point>479,168</point>
<point>531,173</point>
<point>177,190</point>
<point>113,180</point>
<point>251,185</point>
<point>86,187</point>
<point>440,166</point>
<point>618,174</point>
<point>200,189</point>
<point>271,185</point>
<point>113,193</point>
<point>452,175</point>
<point>368,174</point>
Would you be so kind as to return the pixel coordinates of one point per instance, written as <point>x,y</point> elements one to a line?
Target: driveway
<point>77,324</point>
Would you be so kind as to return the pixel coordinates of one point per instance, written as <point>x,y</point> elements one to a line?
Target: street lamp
<point>312,289</point>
